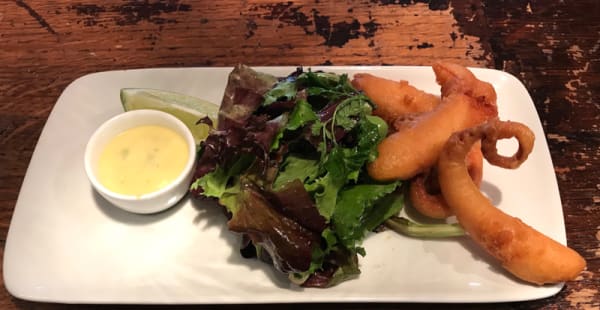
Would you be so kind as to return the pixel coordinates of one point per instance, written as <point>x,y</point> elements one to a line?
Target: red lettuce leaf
<point>289,244</point>
<point>294,201</point>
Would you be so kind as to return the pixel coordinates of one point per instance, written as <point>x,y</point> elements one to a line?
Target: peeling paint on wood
<point>557,137</point>
<point>130,12</point>
<point>583,299</point>
<point>369,31</point>
<point>597,250</point>
<point>586,274</point>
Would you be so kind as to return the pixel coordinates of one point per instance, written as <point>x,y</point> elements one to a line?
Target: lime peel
<point>186,108</point>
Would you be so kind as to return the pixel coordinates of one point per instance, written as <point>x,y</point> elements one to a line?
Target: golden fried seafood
<point>523,251</point>
<point>424,191</point>
<point>466,102</point>
<point>427,200</point>
<point>394,98</point>
<point>456,79</point>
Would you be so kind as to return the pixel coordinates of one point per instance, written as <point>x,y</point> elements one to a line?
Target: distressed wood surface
<point>551,46</point>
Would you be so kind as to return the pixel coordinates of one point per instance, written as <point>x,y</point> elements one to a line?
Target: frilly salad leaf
<point>287,162</point>
<point>354,206</point>
<point>288,243</point>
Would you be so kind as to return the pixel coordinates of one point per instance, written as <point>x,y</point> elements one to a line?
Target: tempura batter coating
<point>523,251</point>
<point>394,98</point>
<point>424,191</point>
<point>456,79</point>
<point>466,102</point>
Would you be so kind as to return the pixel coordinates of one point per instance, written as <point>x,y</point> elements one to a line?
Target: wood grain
<point>552,47</point>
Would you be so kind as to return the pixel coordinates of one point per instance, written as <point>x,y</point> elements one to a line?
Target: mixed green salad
<point>287,162</point>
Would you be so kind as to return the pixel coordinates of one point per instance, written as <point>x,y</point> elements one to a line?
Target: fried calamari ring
<point>522,250</point>
<point>424,191</point>
<point>507,130</point>
<point>427,200</point>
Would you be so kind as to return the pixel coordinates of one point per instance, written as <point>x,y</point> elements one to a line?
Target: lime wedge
<point>188,109</point>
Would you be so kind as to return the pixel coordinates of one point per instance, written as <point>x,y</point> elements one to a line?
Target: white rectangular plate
<point>66,244</point>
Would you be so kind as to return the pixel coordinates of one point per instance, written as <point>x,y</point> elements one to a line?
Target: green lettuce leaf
<point>351,110</point>
<point>301,115</point>
<point>296,167</point>
<point>283,90</point>
<point>325,191</point>
<point>384,208</point>
<point>222,183</point>
<point>353,208</point>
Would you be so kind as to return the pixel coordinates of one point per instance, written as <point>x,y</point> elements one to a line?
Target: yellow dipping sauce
<point>142,160</point>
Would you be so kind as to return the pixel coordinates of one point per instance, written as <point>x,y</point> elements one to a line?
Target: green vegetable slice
<point>406,227</point>
<point>186,108</point>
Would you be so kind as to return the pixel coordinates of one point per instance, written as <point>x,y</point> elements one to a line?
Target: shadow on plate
<point>493,264</point>
<point>123,216</point>
<point>492,192</point>
<point>210,214</point>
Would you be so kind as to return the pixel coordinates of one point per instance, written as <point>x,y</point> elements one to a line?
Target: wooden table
<point>553,47</point>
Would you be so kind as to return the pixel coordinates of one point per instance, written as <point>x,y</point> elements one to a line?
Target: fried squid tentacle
<point>427,199</point>
<point>456,79</point>
<point>466,102</point>
<point>522,250</point>
<point>425,194</point>
<point>394,99</point>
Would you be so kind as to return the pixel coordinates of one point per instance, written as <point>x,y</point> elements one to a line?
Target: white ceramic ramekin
<point>152,202</point>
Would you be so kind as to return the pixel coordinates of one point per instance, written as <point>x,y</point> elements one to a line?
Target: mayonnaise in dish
<point>142,160</point>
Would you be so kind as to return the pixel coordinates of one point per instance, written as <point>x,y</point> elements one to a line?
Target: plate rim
<point>15,291</point>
